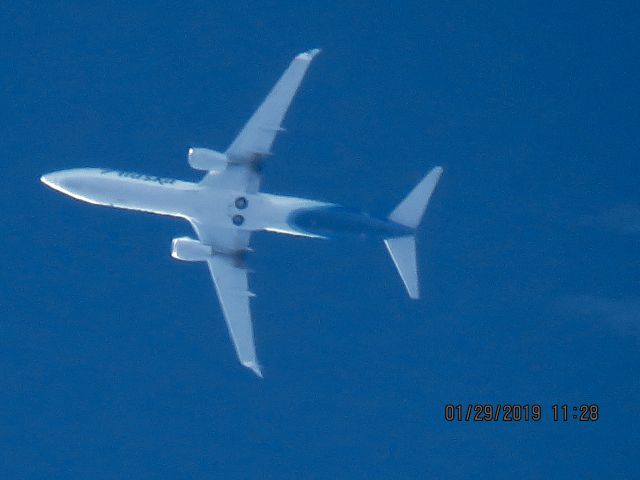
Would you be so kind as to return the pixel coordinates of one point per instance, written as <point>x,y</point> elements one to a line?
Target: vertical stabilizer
<point>403,254</point>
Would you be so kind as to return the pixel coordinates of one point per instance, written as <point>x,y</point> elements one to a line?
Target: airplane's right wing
<point>231,284</point>
<point>230,279</point>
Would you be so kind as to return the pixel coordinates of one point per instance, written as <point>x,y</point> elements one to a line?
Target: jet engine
<point>209,160</point>
<point>190,250</point>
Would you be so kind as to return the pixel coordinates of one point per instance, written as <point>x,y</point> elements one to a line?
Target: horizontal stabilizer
<point>409,213</point>
<point>411,209</point>
<point>403,254</point>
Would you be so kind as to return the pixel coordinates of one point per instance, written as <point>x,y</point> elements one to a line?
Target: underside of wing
<point>231,284</point>
<point>255,139</point>
<point>241,162</point>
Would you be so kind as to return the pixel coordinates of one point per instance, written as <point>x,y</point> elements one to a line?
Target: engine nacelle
<point>190,250</point>
<point>208,160</point>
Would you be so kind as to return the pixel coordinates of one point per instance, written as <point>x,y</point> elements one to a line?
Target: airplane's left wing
<point>255,139</point>
<point>233,291</point>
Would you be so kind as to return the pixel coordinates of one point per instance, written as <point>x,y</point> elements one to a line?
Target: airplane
<point>227,206</point>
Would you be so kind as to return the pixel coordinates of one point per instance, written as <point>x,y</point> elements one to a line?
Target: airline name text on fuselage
<point>139,176</point>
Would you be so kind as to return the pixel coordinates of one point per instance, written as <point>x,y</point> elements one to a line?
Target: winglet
<point>308,55</point>
<point>254,367</point>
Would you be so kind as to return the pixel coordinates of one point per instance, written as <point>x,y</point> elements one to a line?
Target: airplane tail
<point>409,213</point>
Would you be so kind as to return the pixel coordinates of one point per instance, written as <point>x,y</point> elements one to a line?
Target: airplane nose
<point>47,179</point>
<point>53,180</point>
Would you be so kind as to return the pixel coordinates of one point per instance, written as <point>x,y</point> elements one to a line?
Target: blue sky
<point>114,358</point>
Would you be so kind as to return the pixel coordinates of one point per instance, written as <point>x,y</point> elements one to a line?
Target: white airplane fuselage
<point>201,203</point>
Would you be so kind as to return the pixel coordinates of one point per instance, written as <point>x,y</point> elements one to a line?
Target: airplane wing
<point>230,279</point>
<point>232,287</point>
<point>255,139</point>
